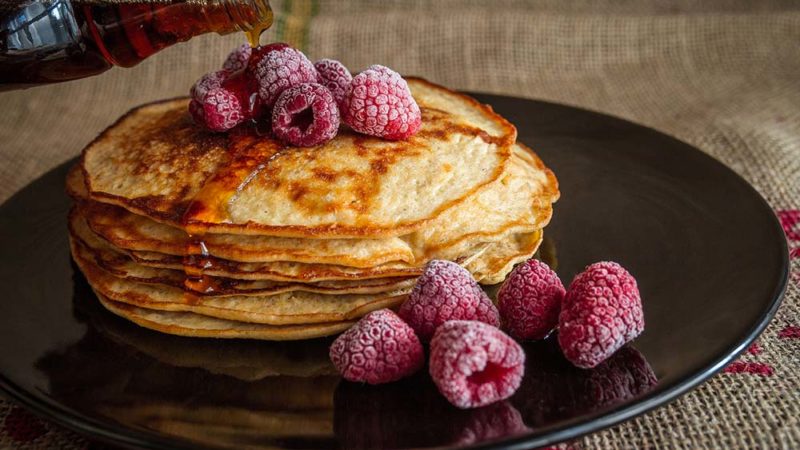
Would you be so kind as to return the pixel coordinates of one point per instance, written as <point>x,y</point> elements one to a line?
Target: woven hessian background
<point>722,75</point>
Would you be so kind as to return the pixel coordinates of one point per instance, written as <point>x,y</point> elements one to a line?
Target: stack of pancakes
<point>236,235</point>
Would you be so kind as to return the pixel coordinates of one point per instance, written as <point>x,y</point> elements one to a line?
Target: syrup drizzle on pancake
<point>247,156</point>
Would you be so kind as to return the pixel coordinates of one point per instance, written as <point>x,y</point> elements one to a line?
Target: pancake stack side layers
<point>235,235</point>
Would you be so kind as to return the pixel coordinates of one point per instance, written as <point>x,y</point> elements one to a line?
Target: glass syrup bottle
<point>49,41</point>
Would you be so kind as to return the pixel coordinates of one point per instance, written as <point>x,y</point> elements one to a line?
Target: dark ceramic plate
<point>708,253</point>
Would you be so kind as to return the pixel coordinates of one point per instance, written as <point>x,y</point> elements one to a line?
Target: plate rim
<point>111,432</point>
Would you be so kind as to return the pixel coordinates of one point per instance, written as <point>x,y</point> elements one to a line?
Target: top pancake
<point>154,161</point>
<point>519,201</point>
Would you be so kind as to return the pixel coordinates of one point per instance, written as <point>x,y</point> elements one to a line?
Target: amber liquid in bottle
<point>59,40</point>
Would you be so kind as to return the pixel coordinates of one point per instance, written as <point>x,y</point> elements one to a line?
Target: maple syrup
<point>195,262</point>
<point>59,40</point>
<point>247,154</point>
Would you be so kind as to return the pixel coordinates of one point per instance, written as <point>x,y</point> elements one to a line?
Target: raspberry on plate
<point>379,103</point>
<point>601,312</point>
<point>446,291</point>
<point>474,364</point>
<point>334,76</point>
<point>305,115</point>
<point>530,300</point>
<point>238,58</point>
<point>277,68</point>
<point>211,80</point>
<point>380,348</point>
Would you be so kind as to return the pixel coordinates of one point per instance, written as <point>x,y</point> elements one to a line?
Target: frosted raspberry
<point>221,110</point>
<point>259,52</point>
<point>474,364</point>
<point>305,115</point>
<point>446,291</point>
<point>280,68</point>
<point>207,82</point>
<point>379,103</point>
<point>244,88</point>
<point>530,300</point>
<point>238,58</point>
<point>334,76</point>
<point>380,348</point>
<point>601,311</point>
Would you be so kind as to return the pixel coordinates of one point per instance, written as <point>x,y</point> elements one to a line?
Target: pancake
<point>91,248</point>
<point>287,308</point>
<point>156,162</point>
<point>499,259</point>
<point>279,270</point>
<point>121,266</point>
<point>275,271</point>
<point>76,185</point>
<point>134,232</point>
<point>196,325</point>
<point>517,202</point>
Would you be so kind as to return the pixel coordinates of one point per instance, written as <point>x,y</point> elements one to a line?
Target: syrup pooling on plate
<point>247,156</point>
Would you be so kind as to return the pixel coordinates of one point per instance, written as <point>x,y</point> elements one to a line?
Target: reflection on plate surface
<point>264,394</point>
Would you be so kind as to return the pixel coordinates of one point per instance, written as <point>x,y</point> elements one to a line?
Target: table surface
<point>720,75</point>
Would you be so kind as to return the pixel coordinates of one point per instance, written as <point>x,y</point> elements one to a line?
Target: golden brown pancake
<point>517,202</point>
<point>135,232</point>
<point>91,248</point>
<point>500,258</point>
<point>156,162</point>
<point>197,325</point>
<point>288,308</point>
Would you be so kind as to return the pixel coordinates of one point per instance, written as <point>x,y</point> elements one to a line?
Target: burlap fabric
<point>722,75</point>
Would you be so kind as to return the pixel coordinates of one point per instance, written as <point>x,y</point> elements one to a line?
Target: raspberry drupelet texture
<point>211,80</point>
<point>530,300</point>
<point>380,348</point>
<point>305,115</point>
<point>601,311</point>
<point>280,68</point>
<point>474,364</point>
<point>221,110</point>
<point>334,76</point>
<point>238,58</point>
<point>446,291</point>
<point>259,52</point>
<point>379,103</point>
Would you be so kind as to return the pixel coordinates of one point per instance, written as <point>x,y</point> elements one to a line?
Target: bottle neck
<point>127,33</point>
<point>47,41</point>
